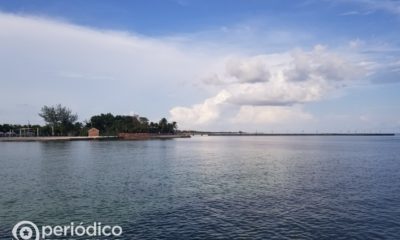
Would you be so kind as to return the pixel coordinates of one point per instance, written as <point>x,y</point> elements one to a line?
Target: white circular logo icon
<point>25,230</point>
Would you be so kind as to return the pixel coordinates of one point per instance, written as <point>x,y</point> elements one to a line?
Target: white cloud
<point>277,92</point>
<point>199,114</point>
<point>270,115</point>
<point>268,88</point>
<point>323,65</point>
<point>251,70</point>
<point>356,43</point>
<point>391,6</point>
<point>351,13</point>
<point>90,70</point>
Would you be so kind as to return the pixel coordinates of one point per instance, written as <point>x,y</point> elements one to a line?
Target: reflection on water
<point>208,187</point>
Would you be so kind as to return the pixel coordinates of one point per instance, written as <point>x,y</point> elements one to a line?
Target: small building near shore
<point>93,132</point>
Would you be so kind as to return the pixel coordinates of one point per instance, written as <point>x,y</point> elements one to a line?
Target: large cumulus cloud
<point>269,85</point>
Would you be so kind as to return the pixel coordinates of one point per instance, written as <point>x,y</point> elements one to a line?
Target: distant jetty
<point>298,134</point>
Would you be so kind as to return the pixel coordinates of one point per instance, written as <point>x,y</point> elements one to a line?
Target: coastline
<point>53,139</point>
<point>136,137</point>
<point>86,138</point>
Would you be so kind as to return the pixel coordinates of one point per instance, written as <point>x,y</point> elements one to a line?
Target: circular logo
<point>25,230</point>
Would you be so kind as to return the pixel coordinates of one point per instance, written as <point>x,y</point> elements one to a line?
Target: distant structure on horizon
<point>93,132</point>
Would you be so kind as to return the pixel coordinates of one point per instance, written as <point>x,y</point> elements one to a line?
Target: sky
<point>251,65</point>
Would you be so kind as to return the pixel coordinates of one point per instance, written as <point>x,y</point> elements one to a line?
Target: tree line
<point>108,124</point>
<point>60,121</point>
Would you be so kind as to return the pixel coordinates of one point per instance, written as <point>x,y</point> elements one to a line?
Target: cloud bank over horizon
<point>268,89</point>
<point>201,86</point>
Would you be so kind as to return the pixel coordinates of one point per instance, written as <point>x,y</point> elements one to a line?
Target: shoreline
<point>54,139</point>
<point>86,138</point>
<point>167,137</point>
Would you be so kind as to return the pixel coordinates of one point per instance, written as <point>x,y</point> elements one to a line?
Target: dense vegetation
<point>60,121</point>
<point>109,124</point>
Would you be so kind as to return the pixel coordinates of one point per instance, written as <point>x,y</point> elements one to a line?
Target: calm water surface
<point>208,187</point>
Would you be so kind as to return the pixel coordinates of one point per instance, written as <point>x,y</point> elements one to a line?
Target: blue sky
<point>312,65</point>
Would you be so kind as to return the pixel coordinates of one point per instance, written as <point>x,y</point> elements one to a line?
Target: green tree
<point>163,125</point>
<point>103,122</point>
<point>59,118</point>
<point>112,125</point>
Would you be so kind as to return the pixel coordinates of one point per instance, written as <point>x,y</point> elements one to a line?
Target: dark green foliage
<point>109,124</point>
<point>60,119</point>
<point>60,122</point>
